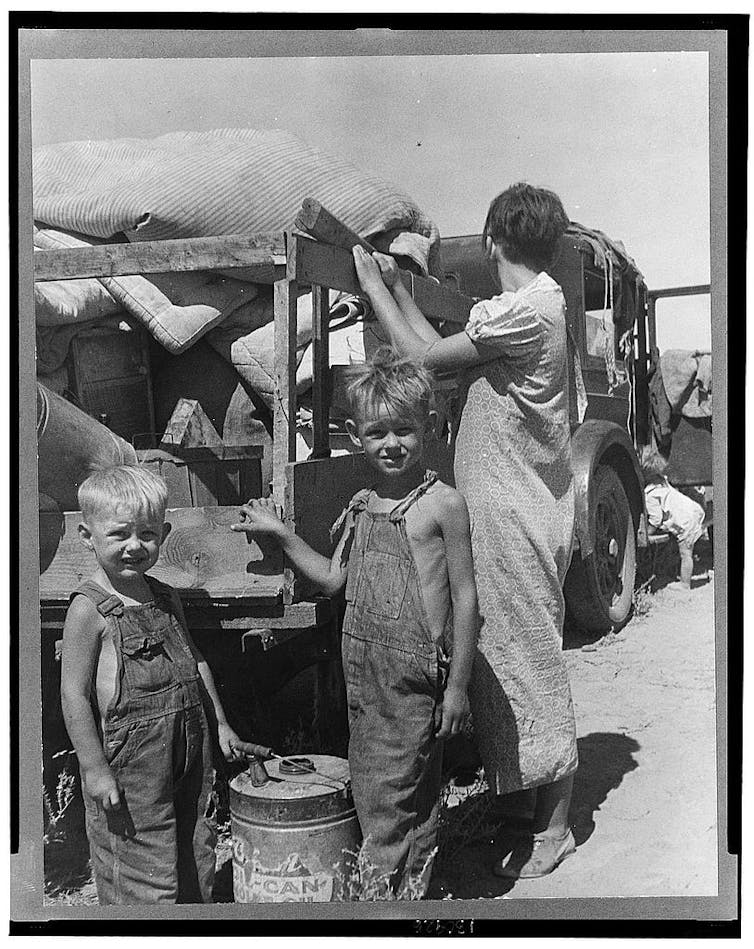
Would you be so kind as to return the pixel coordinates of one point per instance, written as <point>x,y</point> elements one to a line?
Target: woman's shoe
<point>536,856</point>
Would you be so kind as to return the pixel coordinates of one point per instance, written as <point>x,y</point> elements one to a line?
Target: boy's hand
<point>374,271</point>
<point>454,710</point>
<point>229,742</point>
<point>101,785</point>
<point>259,516</point>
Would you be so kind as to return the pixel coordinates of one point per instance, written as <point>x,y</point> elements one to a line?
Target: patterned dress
<point>512,464</point>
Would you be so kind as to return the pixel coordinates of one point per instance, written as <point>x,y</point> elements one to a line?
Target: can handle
<point>297,766</point>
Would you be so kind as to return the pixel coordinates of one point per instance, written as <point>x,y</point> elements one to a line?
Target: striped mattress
<point>194,184</point>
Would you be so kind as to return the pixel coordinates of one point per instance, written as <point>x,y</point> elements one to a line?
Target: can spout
<point>257,772</point>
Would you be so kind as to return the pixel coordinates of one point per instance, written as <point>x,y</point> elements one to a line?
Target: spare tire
<point>599,587</point>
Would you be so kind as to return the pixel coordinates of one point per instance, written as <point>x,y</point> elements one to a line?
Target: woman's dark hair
<point>526,223</point>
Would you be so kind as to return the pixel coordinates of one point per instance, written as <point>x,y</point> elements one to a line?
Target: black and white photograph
<point>373,391</point>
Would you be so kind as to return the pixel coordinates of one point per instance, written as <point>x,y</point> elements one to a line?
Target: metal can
<point>295,836</point>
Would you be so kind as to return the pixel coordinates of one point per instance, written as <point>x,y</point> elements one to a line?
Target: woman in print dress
<point>512,464</point>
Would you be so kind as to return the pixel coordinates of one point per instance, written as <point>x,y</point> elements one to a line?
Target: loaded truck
<point>262,630</point>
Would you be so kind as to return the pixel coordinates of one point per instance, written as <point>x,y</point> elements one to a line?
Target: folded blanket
<point>687,376</point>
<point>247,339</point>
<point>196,302</point>
<point>699,402</point>
<point>194,184</point>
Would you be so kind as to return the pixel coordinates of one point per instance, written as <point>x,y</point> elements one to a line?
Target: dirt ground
<point>644,803</point>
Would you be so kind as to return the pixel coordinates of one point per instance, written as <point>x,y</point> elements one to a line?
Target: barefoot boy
<point>405,561</point>
<point>140,704</point>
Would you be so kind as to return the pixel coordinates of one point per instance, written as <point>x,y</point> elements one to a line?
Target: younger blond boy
<point>140,704</point>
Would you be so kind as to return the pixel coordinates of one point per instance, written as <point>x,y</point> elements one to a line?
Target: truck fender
<point>598,442</point>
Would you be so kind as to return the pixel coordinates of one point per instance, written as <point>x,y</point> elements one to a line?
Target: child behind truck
<point>671,511</point>
<point>405,560</point>
<point>140,704</point>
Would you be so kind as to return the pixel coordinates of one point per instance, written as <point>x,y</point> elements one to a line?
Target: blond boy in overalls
<point>404,558</point>
<point>140,705</point>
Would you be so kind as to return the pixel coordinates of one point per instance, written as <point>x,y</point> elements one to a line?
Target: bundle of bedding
<point>194,184</point>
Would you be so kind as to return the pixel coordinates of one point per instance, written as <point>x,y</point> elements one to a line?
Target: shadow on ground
<point>464,871</point>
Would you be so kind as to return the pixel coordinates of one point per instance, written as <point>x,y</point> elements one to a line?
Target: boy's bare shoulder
<point>446,501</point>
<point>83,616</point>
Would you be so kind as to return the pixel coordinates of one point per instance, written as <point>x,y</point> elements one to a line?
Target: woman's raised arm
<point>409,330</point>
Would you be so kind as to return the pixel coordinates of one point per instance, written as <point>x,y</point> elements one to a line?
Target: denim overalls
<point>158,847</point>
<point>394,671</point>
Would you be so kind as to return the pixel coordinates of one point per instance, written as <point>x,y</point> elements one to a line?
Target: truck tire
<point>599,588</point>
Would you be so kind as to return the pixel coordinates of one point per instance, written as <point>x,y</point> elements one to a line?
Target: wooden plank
<point>284,419</point>
<point>201,557</point>
<point>249,480</point>
<point>284,416</point>
<point>189,427</point>
<point>325,227</point>
<point>321,363</point>
<point>182,455</point>
<point>232,615</point>
<point>319,490</point>
<point>203,483</point>
<point>261,254</point>
<point>331,266</point>
<point>679,291</point>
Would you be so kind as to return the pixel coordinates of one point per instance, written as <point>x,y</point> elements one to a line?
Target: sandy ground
<point>644,803</point>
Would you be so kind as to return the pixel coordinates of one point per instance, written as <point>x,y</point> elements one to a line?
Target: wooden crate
<point>207,476</point>
<point>111,377</point>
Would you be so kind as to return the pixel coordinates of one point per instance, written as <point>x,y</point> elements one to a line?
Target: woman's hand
<point>259,517</point>
<point>374,271</point>
<point>388,268</point>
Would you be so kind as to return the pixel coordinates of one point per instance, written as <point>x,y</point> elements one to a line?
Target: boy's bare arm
<point>456,529</point>
<point>227,738</point>
<point>260,518</point>
<point>81,649</point>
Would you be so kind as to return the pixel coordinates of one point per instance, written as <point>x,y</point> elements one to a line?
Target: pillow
<point>174,327</point>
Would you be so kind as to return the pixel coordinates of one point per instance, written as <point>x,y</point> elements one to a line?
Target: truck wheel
<point>599,588</point>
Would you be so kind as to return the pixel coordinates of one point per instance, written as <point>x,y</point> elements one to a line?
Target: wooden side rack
<point>310,493</point>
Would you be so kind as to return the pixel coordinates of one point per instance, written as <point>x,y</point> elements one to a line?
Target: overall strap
<point>357,503</point>
<point>400,509</point>
<point>105,602</point>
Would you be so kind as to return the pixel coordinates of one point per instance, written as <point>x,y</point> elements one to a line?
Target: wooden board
<point>232,615</point>
<point>260,254</point>
<point>325,227</point>
<point>332,267</point>
<point>320,488</point>
<point>321,362</point>
<point>284,418</point>
<point>201,557</point>
<point>204,477</point>
<point>189,426</point>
